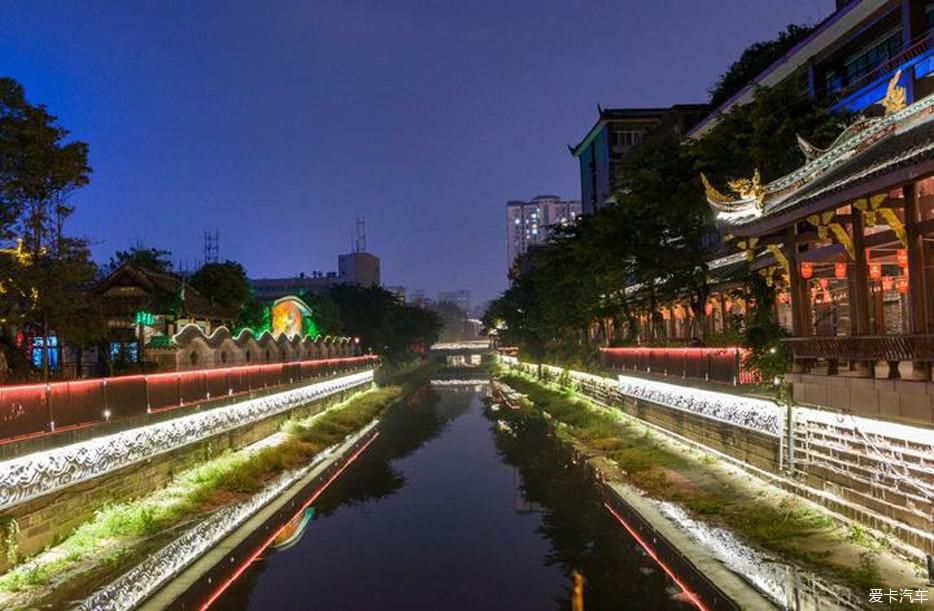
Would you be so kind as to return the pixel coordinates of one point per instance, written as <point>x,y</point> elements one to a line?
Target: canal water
<point>450,510</point>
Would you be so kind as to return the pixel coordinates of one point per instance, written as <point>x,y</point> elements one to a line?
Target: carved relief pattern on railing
<point>30,476</point>
<point>757,414</point>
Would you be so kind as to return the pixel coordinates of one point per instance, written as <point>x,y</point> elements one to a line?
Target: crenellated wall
<point>191,348</point>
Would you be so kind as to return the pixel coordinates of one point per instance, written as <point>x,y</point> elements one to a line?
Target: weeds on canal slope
<point>785,527</point>
<point>117,529</point>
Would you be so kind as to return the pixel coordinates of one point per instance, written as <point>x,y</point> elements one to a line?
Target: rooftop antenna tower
<point>212,247</point>
<point>359,242</point>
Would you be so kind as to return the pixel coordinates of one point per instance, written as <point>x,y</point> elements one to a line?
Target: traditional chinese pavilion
<point>848,242</point>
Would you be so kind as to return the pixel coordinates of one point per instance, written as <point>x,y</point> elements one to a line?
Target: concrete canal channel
<point>450,507</point>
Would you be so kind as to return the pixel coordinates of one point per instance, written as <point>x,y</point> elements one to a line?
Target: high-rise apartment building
<point>530,223</point>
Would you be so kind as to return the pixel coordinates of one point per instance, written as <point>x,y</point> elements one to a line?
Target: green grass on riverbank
<point>778,524</point>
<point>117,530</point>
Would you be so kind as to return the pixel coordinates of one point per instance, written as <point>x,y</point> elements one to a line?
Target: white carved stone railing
<point>756,414</point>
<point>39,473</point>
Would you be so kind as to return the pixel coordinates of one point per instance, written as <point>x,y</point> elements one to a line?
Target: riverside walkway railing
<point>35,410</point>
<point>723,365</point>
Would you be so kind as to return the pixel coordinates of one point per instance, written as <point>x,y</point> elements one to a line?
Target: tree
<point>255,316</point>
<point>38,169</point>
<point>762,135</point>
<point>225,284</point>
<point>325,313</point>
<point>754,60</point>
<point>382,322</point>
<point>49,272</point>
<point>152,259</point>
<point>453,320</point>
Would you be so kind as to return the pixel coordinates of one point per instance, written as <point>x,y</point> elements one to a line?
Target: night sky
<point>278,123</point>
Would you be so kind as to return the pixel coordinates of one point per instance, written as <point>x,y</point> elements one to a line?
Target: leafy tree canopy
<point>225,284</point>
<point>762,134</point>
<point>754,60</point>
<point>382,322</point>
<point>153,259</point>
<point>39,168</point>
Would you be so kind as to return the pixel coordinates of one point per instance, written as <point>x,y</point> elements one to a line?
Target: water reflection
<point>573,518</point>
<point>447,511</point>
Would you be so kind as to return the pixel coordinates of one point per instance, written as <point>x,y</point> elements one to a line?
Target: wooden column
<point>919,297</point>
<point>798,289</point>
<point>858,280</point>
<point>858,289</point>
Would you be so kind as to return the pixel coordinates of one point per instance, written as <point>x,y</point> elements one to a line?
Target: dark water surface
<point>448,511</point>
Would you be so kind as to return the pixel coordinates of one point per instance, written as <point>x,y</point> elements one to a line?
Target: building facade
<point>849,59</point>
<point>530,223</point>
<point>603,149</point>
<point>617,133</point>
<point>360,268</point>
<point>847,242</point>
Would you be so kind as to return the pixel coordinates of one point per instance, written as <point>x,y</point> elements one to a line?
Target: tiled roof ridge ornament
<point>896,97</point>
<point>753,200</point>
<point>812,152</point>
<point>748,190</point>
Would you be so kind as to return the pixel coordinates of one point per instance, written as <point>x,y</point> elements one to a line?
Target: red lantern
<point>875,271</point>
<point>839,270</point>
<point>887,283</point>
<point>807,270</point>
<point>902,285</point>
<point>824,283</point>
<point>901,257</point>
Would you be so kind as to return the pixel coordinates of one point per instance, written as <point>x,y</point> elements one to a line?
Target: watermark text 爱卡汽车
<point>907,596</point>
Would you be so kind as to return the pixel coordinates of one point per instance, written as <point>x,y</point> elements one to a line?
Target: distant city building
<point>417,297</point>
<point>618,132</point>
<point>358,268</point>
<point>530,223</point>
<point>397,290</point>
<point>355,268</point>
<point>270,289</point>
<point>459,298</point>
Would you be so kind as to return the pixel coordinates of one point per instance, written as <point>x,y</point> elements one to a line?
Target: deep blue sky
<point>277,123</point>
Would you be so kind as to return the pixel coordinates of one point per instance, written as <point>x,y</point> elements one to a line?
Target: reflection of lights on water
<point>690,596</point>
<point>271,539</point>
<point>152,573</point>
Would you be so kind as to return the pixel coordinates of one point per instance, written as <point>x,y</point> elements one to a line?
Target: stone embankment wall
<point>47,519</point>
<point>878,473</point>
